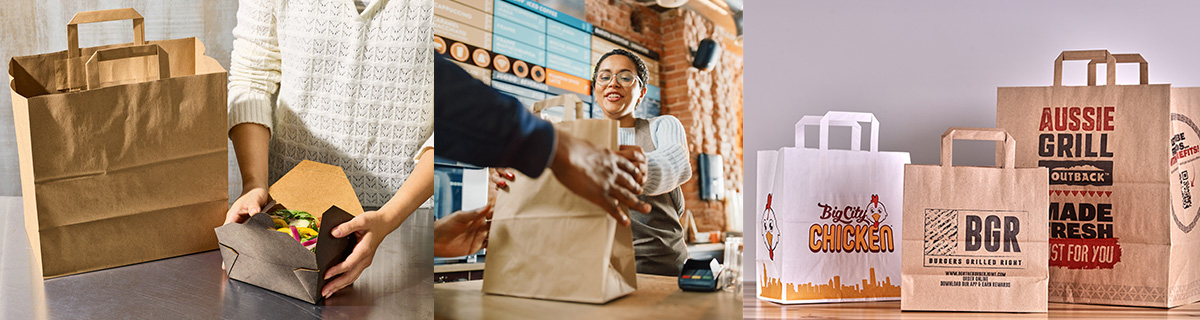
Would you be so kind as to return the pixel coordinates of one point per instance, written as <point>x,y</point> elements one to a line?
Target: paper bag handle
<point>855,129</point>
<point>139,30</point>
<point>562,100</point>
<point>815,120</point>
<point>1091,56</point>
<point>834,117</point>
<point>1144,71</point>
<point>985,134</point>
<point>92,66</point>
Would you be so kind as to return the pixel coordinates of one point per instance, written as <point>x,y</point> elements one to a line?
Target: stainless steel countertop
<point>398,285</point>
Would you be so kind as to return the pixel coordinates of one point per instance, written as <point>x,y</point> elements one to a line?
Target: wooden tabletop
<point>759,309</point>
<point>657,297</point>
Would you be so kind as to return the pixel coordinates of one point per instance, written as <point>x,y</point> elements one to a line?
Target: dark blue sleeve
<point>476,124</point>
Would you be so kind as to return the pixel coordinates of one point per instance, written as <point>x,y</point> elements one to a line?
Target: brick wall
<point>630,21</point>
<point>709,104</point>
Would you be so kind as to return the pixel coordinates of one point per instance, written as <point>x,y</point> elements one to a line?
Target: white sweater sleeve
<point>669,163</point>
<point>425,147</point>
<point>254,68</point>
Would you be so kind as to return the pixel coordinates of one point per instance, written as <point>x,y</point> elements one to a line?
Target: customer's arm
<point>481,126</point>
<point>478,125</point>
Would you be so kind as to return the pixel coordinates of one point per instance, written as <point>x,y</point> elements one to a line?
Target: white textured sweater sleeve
<point>425,147</point>
<point>254,68</point>
<point>669,163</point>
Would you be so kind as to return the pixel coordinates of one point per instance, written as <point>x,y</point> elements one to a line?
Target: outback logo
<point>853,229</point>
<point>770,229</point>
<point>1074,143</point>
<point>1079,173</point>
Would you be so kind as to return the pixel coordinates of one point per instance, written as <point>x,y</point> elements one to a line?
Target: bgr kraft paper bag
<point>1122,167</point>
<point>829,226</point>
<point>122,149</point>
<point>548,243</point>
<point>976,236</point>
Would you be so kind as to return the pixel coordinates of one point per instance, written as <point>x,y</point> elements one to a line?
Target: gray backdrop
<point>34,27</point>
<point>924,66</point>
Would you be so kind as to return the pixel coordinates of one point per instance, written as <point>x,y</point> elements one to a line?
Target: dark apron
<point>658,239</point>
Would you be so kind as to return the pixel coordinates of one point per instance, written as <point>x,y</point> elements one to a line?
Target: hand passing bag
<point>548,243</point>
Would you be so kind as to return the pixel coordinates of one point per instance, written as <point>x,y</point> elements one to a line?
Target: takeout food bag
<point>976,237</point>
<point>829,220</point>
<point>1122,170</point>
<point>548,243</point>
<point>254,253</point>
<point>122,149</point>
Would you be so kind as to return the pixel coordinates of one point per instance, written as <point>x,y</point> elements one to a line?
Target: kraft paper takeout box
<point>254,253</point>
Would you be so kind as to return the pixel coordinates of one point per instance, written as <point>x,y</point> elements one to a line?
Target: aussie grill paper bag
<point>829,226</point>
<point>976,236</point>
<point>1121,162</point>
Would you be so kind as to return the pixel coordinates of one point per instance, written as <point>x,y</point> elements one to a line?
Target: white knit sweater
<point>669,163</point>
<point>354,89</point>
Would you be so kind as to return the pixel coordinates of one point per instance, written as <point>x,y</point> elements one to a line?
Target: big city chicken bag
<point>976,237</point>
<point>829,223</point>
<point>1122,166</point>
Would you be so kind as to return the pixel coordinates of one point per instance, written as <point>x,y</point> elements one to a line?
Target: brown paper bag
<point>975,237</point>
<point>548,243</point>
<point>1122,166</point>
<point>122,149</point>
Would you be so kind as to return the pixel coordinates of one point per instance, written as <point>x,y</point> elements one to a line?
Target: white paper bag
<point>829,226</point>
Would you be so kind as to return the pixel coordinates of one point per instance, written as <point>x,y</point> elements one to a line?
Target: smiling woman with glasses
<point>619,84</point>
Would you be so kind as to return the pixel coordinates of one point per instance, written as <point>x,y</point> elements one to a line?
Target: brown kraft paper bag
<point>975,237</point>
<point>1121,161</point>
<point>548,243</point>
<point>122,149</point>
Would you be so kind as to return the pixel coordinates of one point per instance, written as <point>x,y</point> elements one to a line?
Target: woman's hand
<point>248,204</point>
<point>636,156</point>
<point>462,233</point>
<point>371,227</point>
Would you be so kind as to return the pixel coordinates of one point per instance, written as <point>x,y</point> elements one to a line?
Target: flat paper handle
<point>139,30</point>
<point>92,66</point>
<point>1144,71</point>
<point>1090,56</point>
<point>834,117</point>
<point>562,100</point>
<point>855,129</point>
<point>985,134</point>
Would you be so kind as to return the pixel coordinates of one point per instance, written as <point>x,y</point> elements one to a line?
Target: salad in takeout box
<point>289,245</point>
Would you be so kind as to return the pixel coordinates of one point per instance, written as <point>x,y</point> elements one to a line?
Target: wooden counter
<point>657,297</point>
<point>759,309</point>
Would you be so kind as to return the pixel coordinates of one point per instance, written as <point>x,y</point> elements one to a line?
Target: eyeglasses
<point>624,78</point>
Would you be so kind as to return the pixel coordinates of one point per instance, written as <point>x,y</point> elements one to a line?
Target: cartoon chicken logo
<point>770,229</point>
<point>875,210</point>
